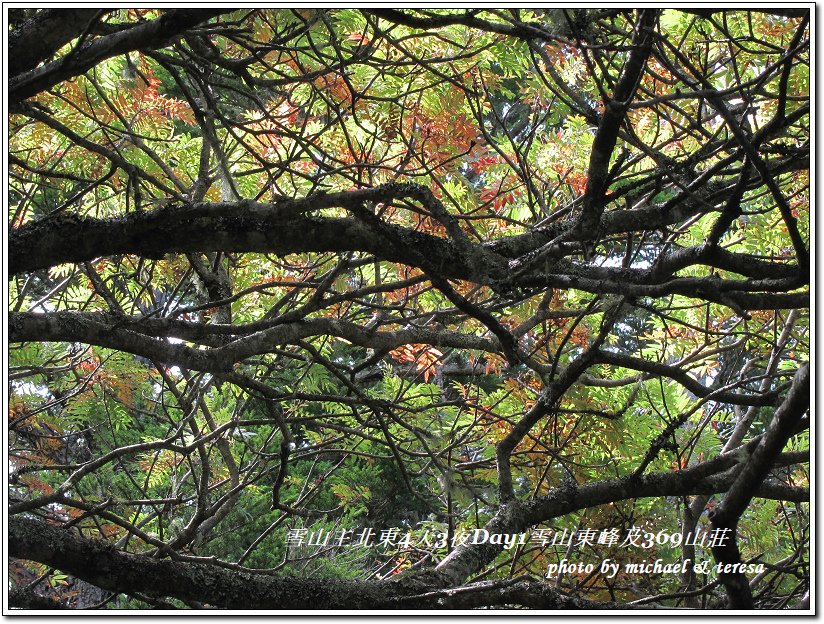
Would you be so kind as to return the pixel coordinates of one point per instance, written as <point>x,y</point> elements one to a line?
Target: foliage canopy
<point>278,274</point>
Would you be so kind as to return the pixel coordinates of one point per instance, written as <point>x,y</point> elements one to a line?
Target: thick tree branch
<point>153,34</point>
<point>141,337</point>
<point>711,477</point>
<point>44,34</point>
<point>105,566</point>
<point>615,110</point>
<point>282,228</point>
<point>725,517</point>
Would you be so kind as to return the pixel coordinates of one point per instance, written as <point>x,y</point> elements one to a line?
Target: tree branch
<point>154,34</point>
